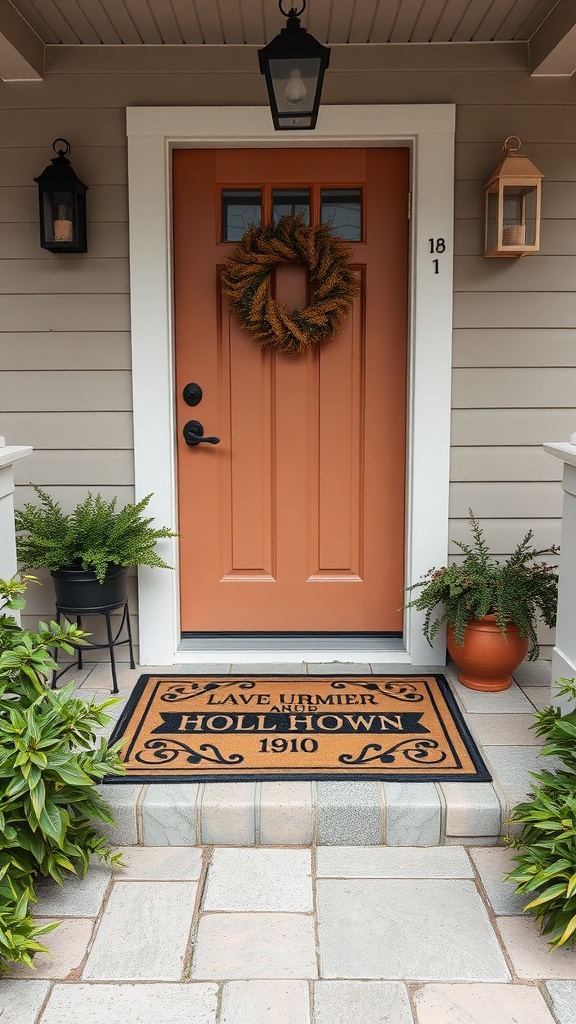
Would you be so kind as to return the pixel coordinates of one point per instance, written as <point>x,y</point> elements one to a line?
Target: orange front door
<point>295,520</point>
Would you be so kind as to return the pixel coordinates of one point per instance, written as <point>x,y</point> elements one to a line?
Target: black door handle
<point>194,434</point>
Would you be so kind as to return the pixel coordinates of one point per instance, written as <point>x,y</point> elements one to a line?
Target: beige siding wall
<point>64,321</point>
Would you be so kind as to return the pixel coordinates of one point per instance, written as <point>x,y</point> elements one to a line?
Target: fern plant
<point>518,590</point>
<point>95,535</point>
<point>547,844</point>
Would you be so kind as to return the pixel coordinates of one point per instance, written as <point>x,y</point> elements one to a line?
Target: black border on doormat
<point>482,773</point>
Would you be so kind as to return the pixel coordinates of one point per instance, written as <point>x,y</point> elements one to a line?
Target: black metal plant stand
<point>112,640</point>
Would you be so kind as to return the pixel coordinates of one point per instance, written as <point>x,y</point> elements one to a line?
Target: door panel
<point>295,521</point>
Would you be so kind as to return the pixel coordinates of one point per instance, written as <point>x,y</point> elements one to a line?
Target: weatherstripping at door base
<point>291,641</point>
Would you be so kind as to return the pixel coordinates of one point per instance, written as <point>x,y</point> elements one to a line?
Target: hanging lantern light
<point>293,64</point>
<point>62,198</point>
<point>512,205</point>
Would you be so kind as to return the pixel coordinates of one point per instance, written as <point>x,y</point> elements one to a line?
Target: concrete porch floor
<point>298,904</point>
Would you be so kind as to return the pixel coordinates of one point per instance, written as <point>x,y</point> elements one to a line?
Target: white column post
<point>9,454</point>
<point>564,655</point>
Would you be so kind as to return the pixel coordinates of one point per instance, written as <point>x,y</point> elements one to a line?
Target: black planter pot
<point>79,591</point>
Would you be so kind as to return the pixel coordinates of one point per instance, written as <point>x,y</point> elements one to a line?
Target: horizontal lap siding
<point>71,430</point>
<point>65,382</point>
<point>503,463</point>
<point>514,355</point>
<point>65,385</point>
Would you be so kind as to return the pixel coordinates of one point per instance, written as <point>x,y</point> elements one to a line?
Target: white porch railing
<point>9,454</point>
<point>564,656</point>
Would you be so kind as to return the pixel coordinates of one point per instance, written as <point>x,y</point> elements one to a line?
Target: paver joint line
<point>139,822</point>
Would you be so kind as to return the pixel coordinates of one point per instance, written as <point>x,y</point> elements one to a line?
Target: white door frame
<point>153,132</point>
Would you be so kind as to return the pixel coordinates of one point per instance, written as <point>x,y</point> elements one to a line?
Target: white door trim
<point>153,132</point>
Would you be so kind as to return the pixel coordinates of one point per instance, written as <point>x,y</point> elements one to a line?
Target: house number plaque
<point>437,245</point>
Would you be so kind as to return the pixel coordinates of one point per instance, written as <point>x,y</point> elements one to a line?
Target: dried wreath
<point>246,282</point>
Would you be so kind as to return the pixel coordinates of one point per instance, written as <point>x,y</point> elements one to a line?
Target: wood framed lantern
<point>512,205</point>
<point>62,198</point>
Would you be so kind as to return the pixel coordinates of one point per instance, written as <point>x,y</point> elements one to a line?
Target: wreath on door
<point>246,282</point>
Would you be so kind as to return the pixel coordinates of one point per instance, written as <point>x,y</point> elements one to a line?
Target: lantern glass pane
<point>492,221</point>
<point>295,82</point>
<point>290,121</point>
<point>59,216</point>
<point>519,222</point>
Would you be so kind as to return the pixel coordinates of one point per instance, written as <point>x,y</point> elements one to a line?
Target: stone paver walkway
<point>299,903</point>
<point>336,935</point>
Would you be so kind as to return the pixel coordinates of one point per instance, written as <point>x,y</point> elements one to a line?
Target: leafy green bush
<point>547,844</point>
<point>517,590</point>
<point>18,932</point>
<point>50,762</point>
<point>93,536</point>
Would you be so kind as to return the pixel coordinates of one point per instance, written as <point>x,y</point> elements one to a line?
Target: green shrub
<point>547,844</point>
<point>50,762</point>
<point>18,932</point>
<point>93,536</point>
<point>516,590</point>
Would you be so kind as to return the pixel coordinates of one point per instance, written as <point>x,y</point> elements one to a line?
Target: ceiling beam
<point>553,45</point>
<point>192,59</point>
<point>21,50</point>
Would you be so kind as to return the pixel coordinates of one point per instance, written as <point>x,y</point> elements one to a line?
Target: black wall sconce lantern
<point>62,199</point>
<point>293,64</point>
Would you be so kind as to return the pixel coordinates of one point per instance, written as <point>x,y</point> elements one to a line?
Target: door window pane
<point>290,202</point>
<point>240,207</point>
<point>342,210</point>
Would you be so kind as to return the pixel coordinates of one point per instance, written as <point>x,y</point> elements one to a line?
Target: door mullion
<point>315,190</point>
<point>267,202</point>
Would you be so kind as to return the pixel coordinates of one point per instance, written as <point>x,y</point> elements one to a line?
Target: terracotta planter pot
<point>486,659</point>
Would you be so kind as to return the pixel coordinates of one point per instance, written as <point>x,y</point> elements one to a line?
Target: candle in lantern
<point>514,234</point>
<point>63,225</point>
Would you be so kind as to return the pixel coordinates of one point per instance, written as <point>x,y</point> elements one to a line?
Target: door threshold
<point>292,641</point>
<point>283,648</point>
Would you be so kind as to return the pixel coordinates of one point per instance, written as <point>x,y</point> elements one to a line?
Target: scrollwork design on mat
<point>397,691</point>
<point>186,691</point>
<point>415,751</point>
<point>166,751</point>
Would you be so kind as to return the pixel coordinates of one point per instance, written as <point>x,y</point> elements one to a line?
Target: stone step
<point>349,813</point>
<point>307,814</point>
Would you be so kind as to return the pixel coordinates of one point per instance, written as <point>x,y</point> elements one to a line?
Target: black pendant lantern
<point>62,199</point>
<point>293,65</point>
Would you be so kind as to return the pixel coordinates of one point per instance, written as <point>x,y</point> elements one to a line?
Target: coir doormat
<point>233,728</point>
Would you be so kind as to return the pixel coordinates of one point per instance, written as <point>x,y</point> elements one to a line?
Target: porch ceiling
<point>111,22</point>
<point>546,28</point>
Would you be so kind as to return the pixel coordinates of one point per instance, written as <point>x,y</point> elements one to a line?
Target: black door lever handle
<point>194,434</point>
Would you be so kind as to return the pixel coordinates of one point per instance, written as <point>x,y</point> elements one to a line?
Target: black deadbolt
<point>192,394</point>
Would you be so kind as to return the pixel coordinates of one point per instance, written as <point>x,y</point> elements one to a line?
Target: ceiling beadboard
<point>176,22</point>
